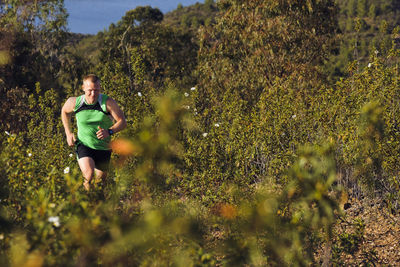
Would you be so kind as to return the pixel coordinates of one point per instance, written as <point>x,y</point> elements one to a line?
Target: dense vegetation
<point>252,124</point>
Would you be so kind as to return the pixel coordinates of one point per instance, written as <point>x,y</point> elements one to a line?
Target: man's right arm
<point>66,113</point>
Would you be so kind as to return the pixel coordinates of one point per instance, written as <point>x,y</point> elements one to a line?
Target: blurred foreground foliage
<point>141,222</point>
<point>241,155</point>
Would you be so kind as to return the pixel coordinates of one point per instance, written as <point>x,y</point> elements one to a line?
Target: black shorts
<point>101,158</point>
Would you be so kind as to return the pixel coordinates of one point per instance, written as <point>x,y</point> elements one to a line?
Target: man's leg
<point>102,164</point>
<point>86,164</point>
<point>100,175</point>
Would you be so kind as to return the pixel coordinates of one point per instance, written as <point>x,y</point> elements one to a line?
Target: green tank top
<point>89,117</point>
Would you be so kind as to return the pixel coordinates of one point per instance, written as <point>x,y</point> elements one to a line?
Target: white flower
<point>7,133</point>
<point>369,65</point>
<point>186,94</point>
<point>66,170</point>
<point>187,107</point>
<point>55,220</point>
<point>139,94</point>
<point>216,124</point>
<point>294,116</point>
<point>52,205</point>
<point>1,236</point>
<point>205,134</point>
<point>376,52</point>
<point>29,154</point>
<point>193,88</point>
<point>71,155</point>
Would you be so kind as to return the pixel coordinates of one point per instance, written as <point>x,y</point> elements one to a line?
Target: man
<point>98,117</point>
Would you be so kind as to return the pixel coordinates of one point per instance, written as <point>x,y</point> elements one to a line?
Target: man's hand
<point>102,133</point>
<point>71,139</point>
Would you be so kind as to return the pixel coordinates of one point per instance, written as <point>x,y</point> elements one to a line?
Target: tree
<point>372,11</point>
<point>256,41</point>
<point>140,55</point>
<point>208,4</point>
<point>259,65</point>
<point>361,8</point>
<point>32,41</point>
<point>34,35</point>
<point>351,8</point>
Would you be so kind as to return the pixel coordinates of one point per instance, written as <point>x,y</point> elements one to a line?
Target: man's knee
<point>87,174</point>
<point>87,167</point>
<point>100,175</point>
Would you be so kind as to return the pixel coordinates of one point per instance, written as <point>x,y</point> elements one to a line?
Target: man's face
<point>92,91</point>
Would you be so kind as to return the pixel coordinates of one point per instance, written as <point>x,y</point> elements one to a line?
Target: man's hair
<point>91,77</point>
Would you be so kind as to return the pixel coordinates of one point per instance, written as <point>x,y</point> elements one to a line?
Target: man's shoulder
<point>110,100</point>
<point>112,105</point>
<point>72,98</point>
<point>70,103</point>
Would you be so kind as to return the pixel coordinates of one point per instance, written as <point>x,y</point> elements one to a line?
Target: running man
<point>98,117</point>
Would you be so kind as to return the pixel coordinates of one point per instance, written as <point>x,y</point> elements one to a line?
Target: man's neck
<point>89,102</point>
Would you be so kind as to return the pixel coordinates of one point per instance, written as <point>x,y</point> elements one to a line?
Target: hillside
<point>186,19</point>
<point>191,17</point>
<point>243,145</point>
<point>365,26</point>
<point>376,19</point>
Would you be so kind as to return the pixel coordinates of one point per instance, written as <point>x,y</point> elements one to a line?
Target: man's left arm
<point>118,116</point>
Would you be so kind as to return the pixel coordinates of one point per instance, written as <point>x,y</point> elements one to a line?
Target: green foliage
<point>252,44</point>
<point>371,14</point>
<point>255,92</point>
<point>240,162</point>
<point>33,34</point>
<point>86,229</point>
<point>183,18</point>
<point>349,242</point>
<point>33,42</point>
<point>372,147</point>
<point>164,54</point>
<point>274,228</point>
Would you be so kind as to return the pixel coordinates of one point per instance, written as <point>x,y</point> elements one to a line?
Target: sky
<point>92,16</point>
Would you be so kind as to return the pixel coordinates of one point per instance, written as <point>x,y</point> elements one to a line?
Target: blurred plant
<point>277,229</point>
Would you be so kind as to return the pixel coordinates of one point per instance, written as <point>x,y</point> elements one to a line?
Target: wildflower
<point>139,94</point>
<point>1,236</point>
<point>205,134</point>
<point>29,154</point>
<point>55,220</point>
<point>66,170</point>
<point>369,65</point>
<point>216,124</point>
<point>193,88</point>
<point>294,116</point>
<point>187,107</point>
<point>52,205</point>
<point>186,94</point>
<point>376,52</point>
<point>7,133</point>
<point>71,155</point>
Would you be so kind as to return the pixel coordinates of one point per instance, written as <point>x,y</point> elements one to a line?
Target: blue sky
<point>92,16</point>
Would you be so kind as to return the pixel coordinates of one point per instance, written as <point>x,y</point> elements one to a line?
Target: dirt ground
<point>367,234</point>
